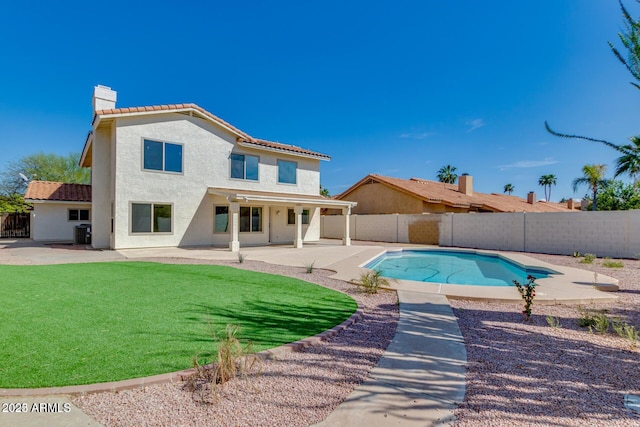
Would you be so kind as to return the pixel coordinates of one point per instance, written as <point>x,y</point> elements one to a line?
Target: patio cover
<point>297,201</point>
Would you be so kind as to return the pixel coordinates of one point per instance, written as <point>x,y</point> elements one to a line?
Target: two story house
<point>177,175</point>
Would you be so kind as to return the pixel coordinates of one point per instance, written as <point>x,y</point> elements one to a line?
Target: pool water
<point>454,267</point>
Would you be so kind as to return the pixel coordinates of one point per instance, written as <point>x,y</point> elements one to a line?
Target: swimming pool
<point>454,267</point>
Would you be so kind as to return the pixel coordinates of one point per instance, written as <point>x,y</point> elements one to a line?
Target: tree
<point>447,174</point>
<point>629,162</point>
<point>324,192</point>
<point>593,177</point>
<point>45,167</point>
<point>13,203</point>
<point>547,181</point>
<point>614,195</point>
<point>508,188</point>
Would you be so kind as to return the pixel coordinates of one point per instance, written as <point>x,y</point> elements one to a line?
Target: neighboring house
<point>57,209</point>
<point>376,194</point>
<point>176,175</point>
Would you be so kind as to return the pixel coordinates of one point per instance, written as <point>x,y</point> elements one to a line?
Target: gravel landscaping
<point>297,389</point>
<point>529,373</point>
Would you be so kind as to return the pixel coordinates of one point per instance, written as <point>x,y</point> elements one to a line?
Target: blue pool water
<point>454,267</point>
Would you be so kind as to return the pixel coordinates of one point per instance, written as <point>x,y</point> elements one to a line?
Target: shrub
<point>234,359</point>
<point>617,324</point>
<point>577,254</point>
<point>309,266</point>
<point>241,257</point>
<point>371,281</point>
<point>601,323</point>
<point>554,322</point>
<point>586,321</point>
<point>613,264</point>
<point>528,293</point>
<point>632,335</point>
<point>588,259</point>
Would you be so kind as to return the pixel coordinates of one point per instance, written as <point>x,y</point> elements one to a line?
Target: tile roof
<point>448,194</point>
<point>242,136</point>
<point>58,191</point>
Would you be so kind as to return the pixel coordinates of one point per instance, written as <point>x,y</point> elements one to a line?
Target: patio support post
<point>297,242</point>
<point>346,239</point>
<point>234,219</point>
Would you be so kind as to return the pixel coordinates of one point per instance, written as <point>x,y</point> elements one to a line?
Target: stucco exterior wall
<point>376,198</point>
<point>205,150</point>
<point>101,190</point>
<point>50,221</point>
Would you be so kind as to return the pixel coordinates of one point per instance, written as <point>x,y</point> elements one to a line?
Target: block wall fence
<point>605,233</point>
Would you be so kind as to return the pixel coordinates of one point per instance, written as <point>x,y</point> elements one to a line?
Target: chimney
<point>465,184</point>
<point>531,198</point>
<point>104,98</point>
<point>571,204</point>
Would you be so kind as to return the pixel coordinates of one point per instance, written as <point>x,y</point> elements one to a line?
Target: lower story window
<point>291,216</point>
<point>250,219</point>
<point>151,218</point>
<point>78,215</point>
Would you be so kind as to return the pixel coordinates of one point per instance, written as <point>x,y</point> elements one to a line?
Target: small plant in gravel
<point>588,259</point>
<point>528,293</point>
<point>577,254</point>
<point>632,335</point>
<point>618,324</point>
<point>601,324</point>
<point>553,321</point>
<point>371,281</point>
<point>234,359</point>
<point>586,320</point>
<point>309,266</point>
<point>613,264</point>
<point>241,257</point>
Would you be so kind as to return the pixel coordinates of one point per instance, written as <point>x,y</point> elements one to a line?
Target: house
<point>377,194</point>
<point>177,175</point>
<point>57,209</point>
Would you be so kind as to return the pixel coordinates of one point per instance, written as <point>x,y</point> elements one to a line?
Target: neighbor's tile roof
<point>58,191</point>
<point>242,136</point>
<point>448,194</point>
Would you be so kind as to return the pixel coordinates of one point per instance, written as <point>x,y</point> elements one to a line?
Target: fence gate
<point>14,225</point>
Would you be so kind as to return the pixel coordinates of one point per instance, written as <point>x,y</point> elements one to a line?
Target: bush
<point>371,281</point>
<point>613,264</point>
<point>241,257</point>
<point>309,266</point>
<point>588,259</point>
<point>233,360</point>
<point>528,293</point>
<point>554,322</point>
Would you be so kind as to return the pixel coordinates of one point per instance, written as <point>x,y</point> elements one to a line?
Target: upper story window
<point>162,156</point>
<point>287,172</point>
<point>244,166</point>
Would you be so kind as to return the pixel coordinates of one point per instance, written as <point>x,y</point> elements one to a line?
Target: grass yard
<point>87,323</point>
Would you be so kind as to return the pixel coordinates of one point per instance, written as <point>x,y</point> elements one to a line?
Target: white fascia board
<point>283,200</point>
<point>87,144</point>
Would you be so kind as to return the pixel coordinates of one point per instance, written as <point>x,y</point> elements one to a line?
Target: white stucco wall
<point>206,150</point>
<point>49,221</point>
<point>101,192</point>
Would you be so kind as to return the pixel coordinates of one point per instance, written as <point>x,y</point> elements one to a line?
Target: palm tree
<point>547,181</point>
<point>592,176</point>
<point>629,162</point>
<point>508,188</point>
<point>447,174</point>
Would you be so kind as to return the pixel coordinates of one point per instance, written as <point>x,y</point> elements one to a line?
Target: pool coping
<point>571,286</point>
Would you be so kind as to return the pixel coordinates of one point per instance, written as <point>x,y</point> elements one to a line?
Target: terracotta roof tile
<point>448,194</point>
<point>58,191</point>
<point>243,137</point>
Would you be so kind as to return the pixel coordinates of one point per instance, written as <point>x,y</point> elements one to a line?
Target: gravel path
<point>530,374</point>
<point>298,389</point>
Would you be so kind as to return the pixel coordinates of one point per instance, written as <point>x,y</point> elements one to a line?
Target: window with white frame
<point>250,219</point>
<point>291,216</point>
<point>162,156</point>
<point>287,172</point>
<point>78,215</point>
<point>244,166</point>
<point>151,218</point>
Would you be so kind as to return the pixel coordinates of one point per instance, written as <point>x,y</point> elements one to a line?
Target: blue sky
<point>395,88</point>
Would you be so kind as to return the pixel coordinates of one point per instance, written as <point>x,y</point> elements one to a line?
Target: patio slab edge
<point>173,377</point>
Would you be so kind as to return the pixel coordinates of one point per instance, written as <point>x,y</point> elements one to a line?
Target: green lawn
<point>87,323</point>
